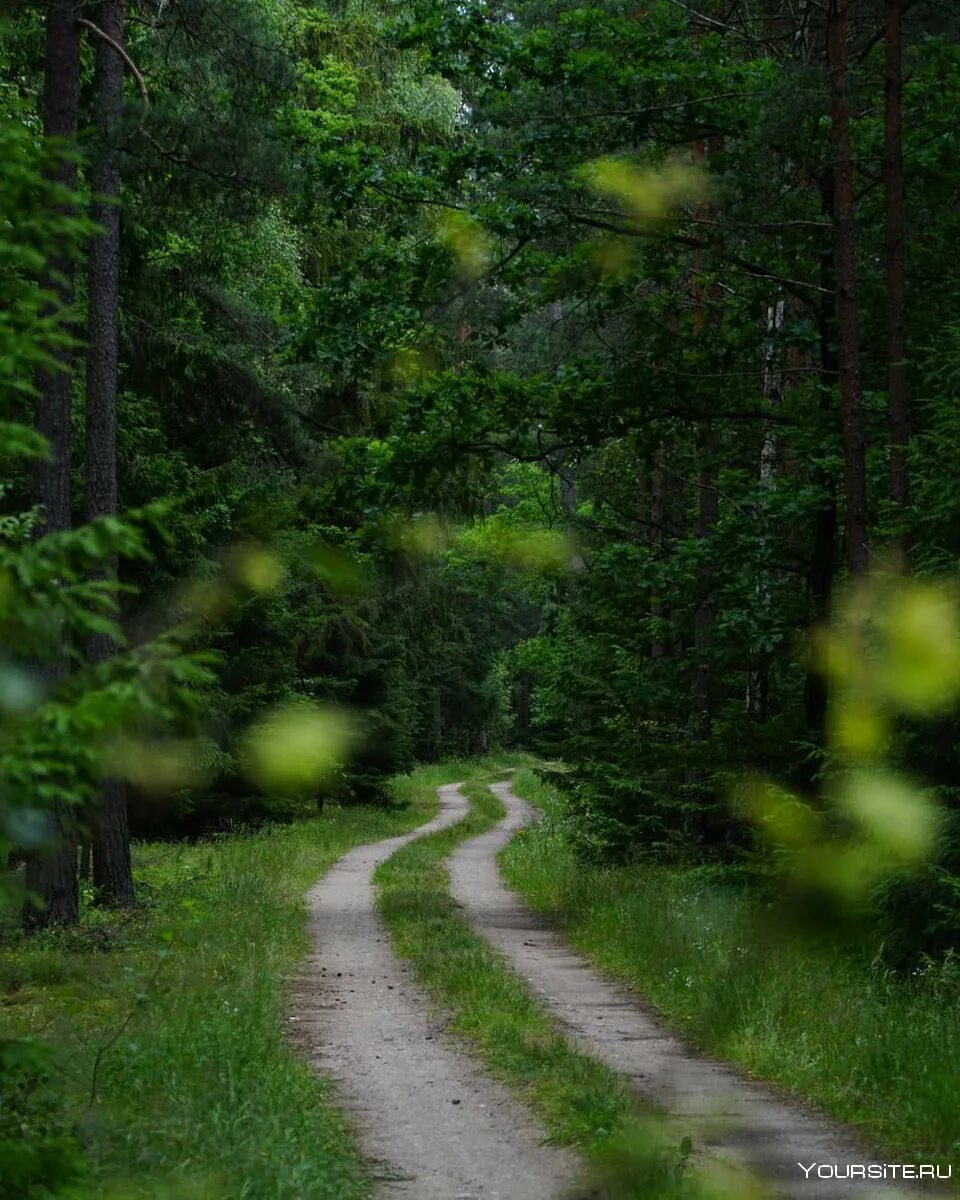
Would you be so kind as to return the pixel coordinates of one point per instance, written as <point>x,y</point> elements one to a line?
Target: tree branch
<point>115,46</point>
<point>653,108</point>
<point>798,287</point>
<point>878,34</point>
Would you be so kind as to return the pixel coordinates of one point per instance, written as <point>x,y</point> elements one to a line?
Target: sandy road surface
<point>438,1128</point>
<point>712,1103</point>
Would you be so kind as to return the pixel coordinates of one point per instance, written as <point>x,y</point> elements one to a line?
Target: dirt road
<point>711,1102</point>
<point>437,1127</point>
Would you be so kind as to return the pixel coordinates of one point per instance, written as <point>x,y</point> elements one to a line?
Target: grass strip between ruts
<point>581,1102</point>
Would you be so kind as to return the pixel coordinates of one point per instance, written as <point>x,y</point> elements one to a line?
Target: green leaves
<point>39,1153</point>
<point>33,226</point>
<point>298,748</point>
<point>648,194</point>
<point>20,441</point>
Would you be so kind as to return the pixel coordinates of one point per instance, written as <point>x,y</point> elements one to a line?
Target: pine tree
<point>895,257</point>
<point>112,874</point>
<point>52,876</point>
<point>856,517</point>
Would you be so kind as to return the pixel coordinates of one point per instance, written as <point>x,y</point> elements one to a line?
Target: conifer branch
<point>115,45</point>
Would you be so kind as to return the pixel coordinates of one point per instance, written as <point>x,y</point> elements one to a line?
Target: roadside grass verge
<point>199,1096</point>
<point>581,1102</point>
<point>870,1048</point>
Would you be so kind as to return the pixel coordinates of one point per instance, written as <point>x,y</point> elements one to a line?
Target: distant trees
<point>370,264</point>
<point>639,374</point>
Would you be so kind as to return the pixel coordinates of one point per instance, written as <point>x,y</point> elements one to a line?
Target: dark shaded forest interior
<point>388,383</point>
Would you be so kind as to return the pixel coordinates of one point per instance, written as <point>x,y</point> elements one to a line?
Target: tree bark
<point>52,876</point>
<point>61,98</point>
<point>823,559</point>
<point>856,521</point>
<point>758,676</point>
<point>112,873</point>
<point>899,410</point>
<point>705,614</point>
<point>708,503</point>
<point>659,516</point>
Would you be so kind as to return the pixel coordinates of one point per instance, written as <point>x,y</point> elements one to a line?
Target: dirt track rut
<point>717,1107</point>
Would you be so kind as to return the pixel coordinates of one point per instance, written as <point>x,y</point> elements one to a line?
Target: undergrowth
<point>876,1049</point>
<point>173,1075</point>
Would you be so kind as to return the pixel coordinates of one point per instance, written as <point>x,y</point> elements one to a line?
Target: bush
<point>39,1153</point>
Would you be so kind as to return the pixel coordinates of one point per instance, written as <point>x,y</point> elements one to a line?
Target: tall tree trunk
<point>438,720</point>
<point>708,506</point>
<point>899,411</point>
<point>52,877</point>
<point>856,522</point>
<point>112,875</point>
<point>823,559</point>
<point>705,614</point>
<point>773,385</point>
<point>61,96</point>
<point>659,517</point>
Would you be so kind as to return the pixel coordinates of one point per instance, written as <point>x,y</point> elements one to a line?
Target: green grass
<point>581,1102</point>
<point>870,1048</point>
<point>199,1096</point>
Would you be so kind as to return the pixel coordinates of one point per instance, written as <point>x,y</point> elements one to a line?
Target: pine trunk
<point>773,384</point>
<point>659,516</point>
<point>856,524</point>
<point>708,507</point>
<point>705,614</point>
<point>112,874</point>
<point>899,412</point>
<point>823,562</point>
<point>52,877</point>
<point>112,871</point>
<point>61,96</point>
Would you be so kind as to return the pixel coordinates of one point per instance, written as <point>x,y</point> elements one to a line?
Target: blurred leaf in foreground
<point>298,747</point>
<point>646,193</point>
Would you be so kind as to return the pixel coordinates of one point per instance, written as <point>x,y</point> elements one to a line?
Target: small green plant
<point>39,1150</point>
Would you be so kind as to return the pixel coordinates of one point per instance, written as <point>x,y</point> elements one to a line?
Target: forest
<point>554,399</point>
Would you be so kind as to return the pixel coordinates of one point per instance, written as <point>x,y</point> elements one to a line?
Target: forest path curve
<point>422,1108</point>
<point>720,1110</point>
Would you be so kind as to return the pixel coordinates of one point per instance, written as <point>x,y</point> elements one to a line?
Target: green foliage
<point>650,342</point>
<point>477,385</point>
<point>32,221</point>
<point>197,1091</point>
<point>56,715</point>
<point>832,1023</point>
<point>39,1153</point>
